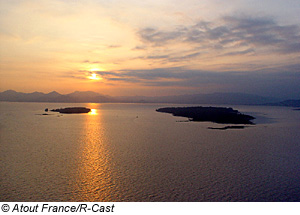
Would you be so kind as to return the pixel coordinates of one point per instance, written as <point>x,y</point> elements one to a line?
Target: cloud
<point>228,32</point>
<point>280,81</point>
<point>139,48</point>
<point>114,46</point>
<point>247,51</point>
<point>160,37</point>
<point>91,62</point>
<point>185,57</point>
<point>158,56</point>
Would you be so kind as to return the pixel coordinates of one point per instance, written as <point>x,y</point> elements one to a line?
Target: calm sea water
<point>130,152</point>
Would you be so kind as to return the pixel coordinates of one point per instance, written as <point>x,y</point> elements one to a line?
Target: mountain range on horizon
<point>93,97</point>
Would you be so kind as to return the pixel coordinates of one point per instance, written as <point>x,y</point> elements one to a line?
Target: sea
<point>131,153</point>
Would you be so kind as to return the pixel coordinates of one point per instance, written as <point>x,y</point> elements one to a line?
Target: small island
<point>209,114</point>
<point>71,110</point>
<point>229,127</point>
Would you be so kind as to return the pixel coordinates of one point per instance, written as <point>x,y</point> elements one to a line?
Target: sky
<point>151,47</point>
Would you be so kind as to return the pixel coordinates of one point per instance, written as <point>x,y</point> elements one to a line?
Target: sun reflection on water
<point>94,178</point>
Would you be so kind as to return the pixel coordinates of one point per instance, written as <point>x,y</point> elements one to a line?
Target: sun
<point>94,76</point>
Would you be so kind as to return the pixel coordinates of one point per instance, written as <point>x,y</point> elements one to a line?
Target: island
<point>229,127</point>
<point>209,114</point>
<point>70,110</point>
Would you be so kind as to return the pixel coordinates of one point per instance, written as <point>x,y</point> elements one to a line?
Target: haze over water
<point>130,152</point>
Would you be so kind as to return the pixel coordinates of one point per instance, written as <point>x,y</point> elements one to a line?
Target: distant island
<point>210,114</point>
<point>286,103</point>
<point>228,127</point>
<point>71,110</point>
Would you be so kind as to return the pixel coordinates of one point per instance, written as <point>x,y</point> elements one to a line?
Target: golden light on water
<point>94,176</point>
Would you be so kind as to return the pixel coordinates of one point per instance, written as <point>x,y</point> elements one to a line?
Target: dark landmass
<point>71,110</point>
<point>89,96</point>
<point>228,127</point>
<point>297,109</point>
<point>212,98</point>
<point>75,97</point>
<point>286,103</point>
<point>92,97</point>
<point>210,114</point>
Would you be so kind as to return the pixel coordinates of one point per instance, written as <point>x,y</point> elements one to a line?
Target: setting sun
<point>94,76</point>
